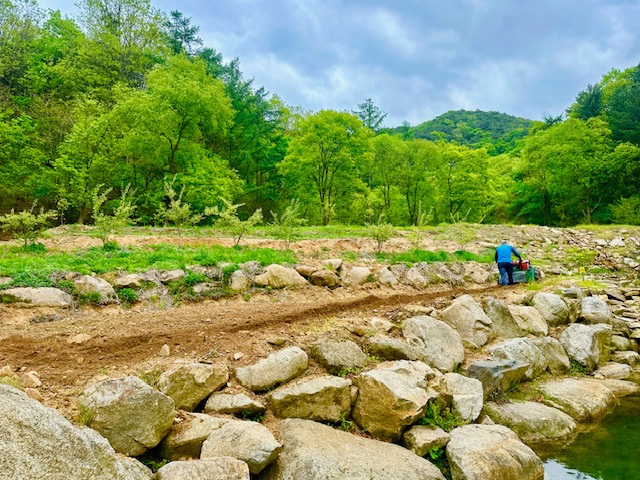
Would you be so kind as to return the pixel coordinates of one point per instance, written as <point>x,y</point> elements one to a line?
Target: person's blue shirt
<point>503,253</point>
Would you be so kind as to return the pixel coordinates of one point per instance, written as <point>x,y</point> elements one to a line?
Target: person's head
<point>504,242</point>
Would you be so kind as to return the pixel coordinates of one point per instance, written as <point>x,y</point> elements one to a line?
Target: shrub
<point>440,415</point>
<point>127,296</point>
<point>288,224</point>
<point>177,213</point>
<point>380,233</point>
<point>108,225</point>
<point>627,211</point>
<point>228,217</point>
<point>27,225</point>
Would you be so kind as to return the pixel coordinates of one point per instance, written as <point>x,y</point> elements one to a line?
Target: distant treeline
<point>126,96</point>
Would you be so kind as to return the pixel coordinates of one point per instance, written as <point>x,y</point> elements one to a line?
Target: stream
<point>609,451</point>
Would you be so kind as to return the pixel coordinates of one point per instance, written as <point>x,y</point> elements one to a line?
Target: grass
<point>86,415</point>
<point>417,256</point>
<point>150,377</point>
<point>12,382</point>
<point>34,269</point>
<point>439,415</point>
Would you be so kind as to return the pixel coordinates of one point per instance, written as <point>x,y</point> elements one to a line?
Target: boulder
<point>392,397</point>
<point>36,297</point>
<point>313,451</point>
<point>552,308</point>
<point>239,281</point>
<point>468,396</point>
<point>529,320</point>
<point>220,468</point>
<point>413,278</point>
<point>339,357</point>
<point>595,310</point>
<point>616,371</point>
<point>620,343</point>
<point>421,439</point>
<point>357,276</point>
<point>305,270</point>
<point>582,399</point>
<point>534,422</point>
<point>437,343</point>
<point>187,435</point>
<point>223,402</point>
<point>279,367</point>
<point>491,452</point>
<point>277,276</point>
<point>628,358</point>
<point>391,349</point>
<point>587,345</point>
<point>620,388</point>
<point>86,284</point>
<point>498,375</point>
<point>37,442</point>
<point>503,323</point>
<point>191,383</point>
<point>385,277</point>
<point>325,278</point>
<point>325,399</point>
<point>467,317</point>
<point>133,416</point>
<point>334,264</point>
<point>523,350</point>
<point>250,442</point>
<point>133,280</point>
<point>169,276</point>
<point>558,362</point>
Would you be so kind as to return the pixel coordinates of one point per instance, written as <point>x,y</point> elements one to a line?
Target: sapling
<point>288,223</point>
<point>228,217</point>
<point>106,225</point>
<point>27,225</point>
<point>178,213</point>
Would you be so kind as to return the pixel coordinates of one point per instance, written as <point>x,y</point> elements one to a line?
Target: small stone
<point>238,355</point>
<point>278,342</point>
<point>381,324</point>
<point>6,371</point>
<point>80,360</point>
<point>164,351</point>
<point>79,338</point>
<point>30,379</point>
<point>35,394</point>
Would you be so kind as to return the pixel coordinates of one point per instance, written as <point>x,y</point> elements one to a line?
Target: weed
<point>86,415</point>
<point>344,372</point>
<point>373,358</point>
<point>345,424</point>
<point>12,382</point>
<point>150,377</point>
<point>253,416</point>
<point>438,414</point>
<point>36,248</point>
<point>439,459</point>
<point>246,296</point>
<point>67,286</point>
<point>127,296</point>
<point>90,298</point>
<point>194,278</point>
<point>28,279</point>
<point>211,354</point>
<point>153,461</point>
<point>577,369</point>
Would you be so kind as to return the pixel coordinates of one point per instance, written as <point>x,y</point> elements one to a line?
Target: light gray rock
<point>498,375</point>
<point>325,278</point>
<point>357,276</point>
<point>334,264</point>
<point>558,362</point>
<point>277,368</point>
<point>587,344</point>
<point>615,371</point>
<point>617,242</point>
<point>504,325</point>
<point>468,395</point>
<point>552,308</point>
<point>325,399</point>
<point>222,402</point>
<point>381,324</point>
<point>133,280</point>
<point>339,357</point>
<point>437,343</point>
<point>523,350</point>
<point>5,280</point>
<point>250,442</point>
<point>393,396</point>
<point>221,468</point>
<point>628,358</point>
<point>421,439</point>
<point>86,284</point>
<point>313,451</point>
<point>133,416</point>
<point>239,281</point>
<point>529,320</point>
<point>467,317</point>
<point>169,276</point>
<point>620,388</point>
<point>36,297</point>
<point>582,399</point>
<point>413,278</point>
<point>305,270</point>
<point>191,383</point>
<point>37,442</point>
<point>573,292</point>
<point>391,349</point>
<point>491,452</point>
<point>187,435</point>
<point>534,422</point>
<point>385,277</point>
<point>595,310</point>
<point>620,343</point>
<point>277,276</point>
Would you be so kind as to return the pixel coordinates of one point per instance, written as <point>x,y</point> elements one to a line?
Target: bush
<point>109,225</point>
<point>627,211</point>
<point>27,225</point>
<point>127,296</point>
<point>288,224</point>
<point>380,233</point>
<point>228,217</point>
<point>178,213</point>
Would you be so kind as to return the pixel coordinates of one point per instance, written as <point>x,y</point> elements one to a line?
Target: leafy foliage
<point>27,225</point>
<point>288,223</point>
<point>106,226</point>
<point>439,415</point>
<point>228,217</point>
<point>381,233</point>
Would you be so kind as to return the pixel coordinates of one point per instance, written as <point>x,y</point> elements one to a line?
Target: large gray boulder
<point>615,371</point>
<point>133,416</point>
<point>421,439</point>
<point>187,435</point>
<point>595,310</point>
<point>498,375</point>
<point>250,442</point>
<point>220,468</point>
<point>534,422</point>
<point>339,357</point>
<point>322,399</point>
<point>504,325</point>
<point>389,348</point>
<point>191,383</point>
<point>557,360</point>
<point>277,276</point>
<point>37,442</point>
<point>36,297</point>
<point>394,396</point>
<point>523,350</point>
<point>313,451</point>
<point>529,320</point>
<point>357,276</point>
<point>279,367</point>
<point>437,343</point>
<point>224,402</point>
<point>491,452</point>
<point>583,399</point>
<point>587,345</point>
<point>468,395</point>
<point>325,278</point>
<point>86,284</point>
<point>552,308</point>
<point>239,281</point>
<point>466,316</point>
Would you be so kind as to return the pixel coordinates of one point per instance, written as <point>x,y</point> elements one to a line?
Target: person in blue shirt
<point>503,259</point>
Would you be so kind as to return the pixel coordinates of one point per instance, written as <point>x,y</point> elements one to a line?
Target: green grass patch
<point>440,415</point>
<point>417,256</point>
<point>12,382</point>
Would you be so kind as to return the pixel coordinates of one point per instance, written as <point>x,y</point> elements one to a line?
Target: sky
<point>417,59</point>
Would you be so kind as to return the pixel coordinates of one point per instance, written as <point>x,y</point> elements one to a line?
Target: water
<point>611,451</point>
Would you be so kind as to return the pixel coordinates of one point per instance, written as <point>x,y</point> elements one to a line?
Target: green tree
<point>370,114</point>
<point>622,110</point>
<point>588,103</point>
<point>417,177</point>
<point>181,35</point>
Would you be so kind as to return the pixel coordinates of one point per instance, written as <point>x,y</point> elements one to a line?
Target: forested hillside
<point>125,101</point>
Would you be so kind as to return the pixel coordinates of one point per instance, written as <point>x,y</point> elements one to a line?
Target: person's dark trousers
<point>506,273</point>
